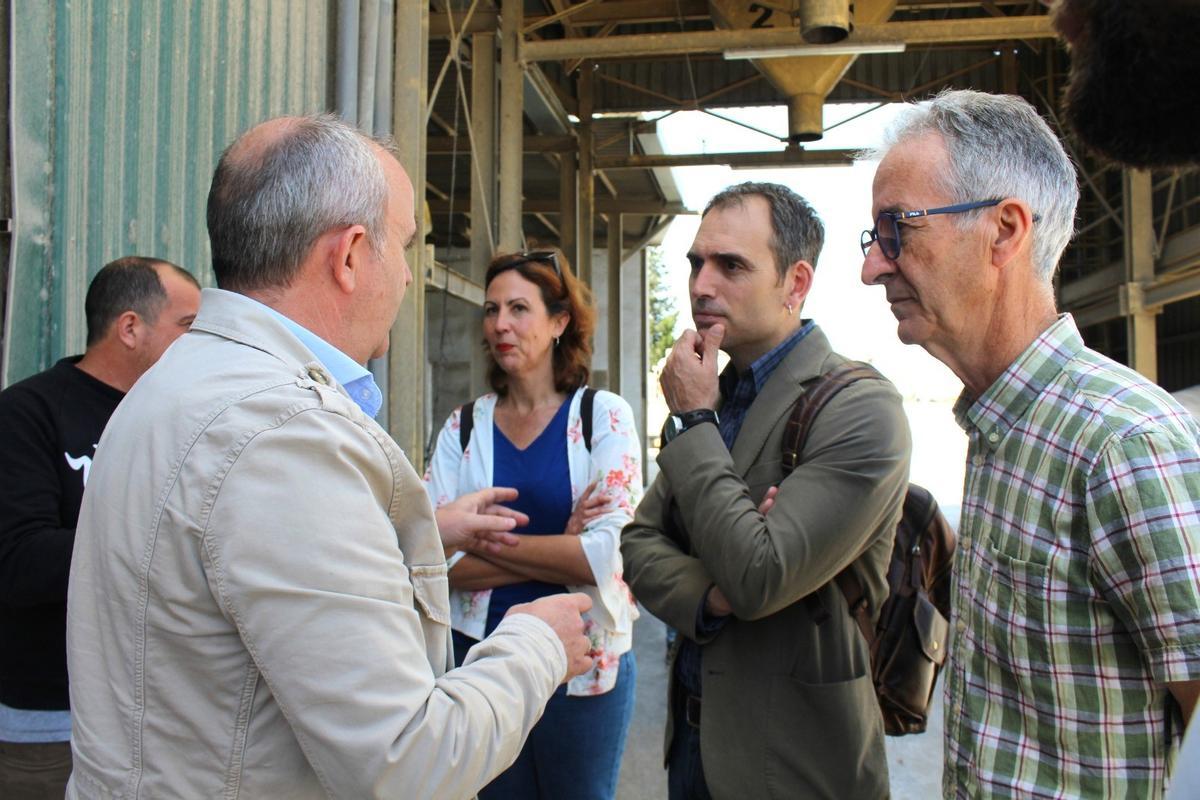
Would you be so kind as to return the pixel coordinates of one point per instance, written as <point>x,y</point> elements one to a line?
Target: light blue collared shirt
<point>356,379</point>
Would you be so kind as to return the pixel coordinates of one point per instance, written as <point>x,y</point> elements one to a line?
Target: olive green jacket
<point>789,710</point>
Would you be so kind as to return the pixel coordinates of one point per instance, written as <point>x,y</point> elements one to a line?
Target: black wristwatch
<point>678,423</point>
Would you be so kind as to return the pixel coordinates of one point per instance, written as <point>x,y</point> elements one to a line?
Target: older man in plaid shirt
<point>1076,652</point>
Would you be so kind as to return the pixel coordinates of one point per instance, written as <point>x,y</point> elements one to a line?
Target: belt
<point>691,710</point>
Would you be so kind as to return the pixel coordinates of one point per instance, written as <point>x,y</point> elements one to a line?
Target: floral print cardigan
<point>615,463</point>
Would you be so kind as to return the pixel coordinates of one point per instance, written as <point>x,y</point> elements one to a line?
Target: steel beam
<point>586,206</point>
<point>954,31</point>
<point>619,11</point>
<point>512,103</point>
<point>615,291</point>
<point>1140,324</point>
<point>790,157</point>
<point>483,179</point>
<point>640,205</point>
<point>444,145</point>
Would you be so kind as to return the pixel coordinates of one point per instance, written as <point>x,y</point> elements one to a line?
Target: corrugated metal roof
<point>120,112</point>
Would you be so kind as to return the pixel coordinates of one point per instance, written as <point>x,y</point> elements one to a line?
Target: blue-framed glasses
<point>887,225</point>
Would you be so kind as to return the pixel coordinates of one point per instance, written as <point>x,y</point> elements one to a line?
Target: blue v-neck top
<point>542,477</point>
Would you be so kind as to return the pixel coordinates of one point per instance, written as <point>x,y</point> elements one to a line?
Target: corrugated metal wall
<point>118,113</point>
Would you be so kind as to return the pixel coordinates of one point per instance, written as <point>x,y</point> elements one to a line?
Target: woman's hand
<point>478,521</point>
<point>588,508</point>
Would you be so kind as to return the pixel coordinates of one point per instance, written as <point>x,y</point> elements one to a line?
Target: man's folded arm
<point>670,583</point>
<point>848,490</point>
<point>306,563</point>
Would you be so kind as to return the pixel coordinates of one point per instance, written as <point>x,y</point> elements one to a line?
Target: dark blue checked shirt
<point>737,395</point>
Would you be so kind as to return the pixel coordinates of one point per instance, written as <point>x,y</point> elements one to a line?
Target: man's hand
<point>689,378</point>
<point>590,506</point>
<point>562,613</point>
<point>478,521</point>
<point>715,602</point>
<point>768,500</point>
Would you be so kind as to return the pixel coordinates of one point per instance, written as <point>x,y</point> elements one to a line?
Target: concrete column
<point>483,185</point>
<point>406,357</point>
<point>1140,324</point>
<point>512,133</point>
<point>614,301</point>
<point>587,183</point>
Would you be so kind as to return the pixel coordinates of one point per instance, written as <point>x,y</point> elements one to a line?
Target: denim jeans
<point>574,750</point>
<point>685,772</point>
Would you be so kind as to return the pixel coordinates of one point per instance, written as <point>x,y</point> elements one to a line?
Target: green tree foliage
<point>663,313</point>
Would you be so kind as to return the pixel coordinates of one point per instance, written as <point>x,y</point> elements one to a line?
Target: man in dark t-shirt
<point>49,426</point>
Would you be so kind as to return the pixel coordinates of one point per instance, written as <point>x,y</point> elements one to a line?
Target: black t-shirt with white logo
<point>49,426</point>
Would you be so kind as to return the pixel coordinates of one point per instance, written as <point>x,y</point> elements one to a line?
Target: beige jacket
<point>258,604</point>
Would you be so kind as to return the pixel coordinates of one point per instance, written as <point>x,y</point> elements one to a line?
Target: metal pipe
<point>368,50</point>
<point>382,124</point>
<point>346,91</point>
<point>824,21</point>
<point>806,118</point>
<point>667,44</point>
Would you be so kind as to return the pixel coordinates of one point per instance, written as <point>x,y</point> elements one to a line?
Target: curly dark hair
<point>547,268</point>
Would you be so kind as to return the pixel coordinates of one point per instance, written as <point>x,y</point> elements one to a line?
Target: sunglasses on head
<point>887,225</point>
<point>535,256</point>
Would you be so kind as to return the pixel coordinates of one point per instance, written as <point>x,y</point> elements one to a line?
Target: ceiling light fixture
<point>791,51</point>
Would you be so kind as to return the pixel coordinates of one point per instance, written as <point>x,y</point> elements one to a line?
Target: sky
<point>856,317</point>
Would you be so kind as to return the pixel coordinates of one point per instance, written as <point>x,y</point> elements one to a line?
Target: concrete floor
<point>914,762</point>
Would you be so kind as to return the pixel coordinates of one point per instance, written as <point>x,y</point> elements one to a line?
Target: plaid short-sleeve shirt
<point>1077,579</point>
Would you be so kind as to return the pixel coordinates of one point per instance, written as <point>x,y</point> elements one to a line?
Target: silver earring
<point>556,341</point>
<point>788,306</point>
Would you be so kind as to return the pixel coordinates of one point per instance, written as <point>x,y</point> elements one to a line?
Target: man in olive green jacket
<point>771,694</point>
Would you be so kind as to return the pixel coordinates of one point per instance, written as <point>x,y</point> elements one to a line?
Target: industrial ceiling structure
<point>562,148</point>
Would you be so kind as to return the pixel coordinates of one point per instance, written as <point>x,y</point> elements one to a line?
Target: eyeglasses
<point>531,256</point>
<point>887,225</point>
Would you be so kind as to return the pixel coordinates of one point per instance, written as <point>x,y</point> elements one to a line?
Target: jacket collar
<point>240,319</point>
<point>805,362</point>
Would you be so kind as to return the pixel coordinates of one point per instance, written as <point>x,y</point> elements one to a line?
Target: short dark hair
<point>130,283</point>
<point>266,208</point>
<point>562,293</point>
<point>797,232</point>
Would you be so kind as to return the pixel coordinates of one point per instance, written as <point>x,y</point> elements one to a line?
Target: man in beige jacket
<point>258,602</point>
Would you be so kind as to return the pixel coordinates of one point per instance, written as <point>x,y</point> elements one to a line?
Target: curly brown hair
<point>562,293</point>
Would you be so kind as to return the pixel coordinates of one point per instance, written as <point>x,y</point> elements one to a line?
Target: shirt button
<point>994,437</point>
<point>318,376</point>
<point>977,460</point>
<point>959,625</point>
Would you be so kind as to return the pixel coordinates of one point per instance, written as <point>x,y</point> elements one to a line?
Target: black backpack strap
<point>586,404</point>
<point>466,422</point>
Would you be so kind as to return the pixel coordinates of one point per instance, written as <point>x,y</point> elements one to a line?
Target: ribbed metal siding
<point>119,113</point>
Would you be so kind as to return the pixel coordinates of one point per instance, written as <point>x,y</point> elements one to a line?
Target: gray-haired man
<point>1076,611</point>
<point>258,603</point>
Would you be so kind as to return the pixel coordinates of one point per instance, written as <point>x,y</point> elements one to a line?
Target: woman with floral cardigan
<point>578,491</point>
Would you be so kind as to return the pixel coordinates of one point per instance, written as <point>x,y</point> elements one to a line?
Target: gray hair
<point>999,147</point>
<point>797,232</point>
<point>266,208</point>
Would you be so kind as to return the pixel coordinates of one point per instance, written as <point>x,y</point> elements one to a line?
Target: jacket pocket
<point>825,740</point>
<point>431,589</point>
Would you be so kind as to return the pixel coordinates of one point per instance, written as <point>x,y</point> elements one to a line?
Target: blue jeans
<point>685,772</point>
<point>574,750</point>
